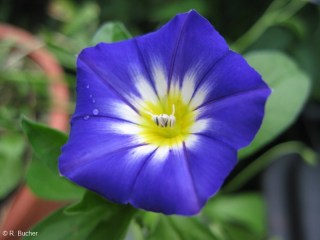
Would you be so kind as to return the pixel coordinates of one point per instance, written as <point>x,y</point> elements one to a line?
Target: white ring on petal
<point>192,141</point>
<point>141,152</point>
<point>124,128</point>
<point>200,125</point>
<point>159,78</point>
<point>161,154</point>
<point>200,95</point>
<point>143,86</point>
<point>123,111</point>
<point>188,86</point>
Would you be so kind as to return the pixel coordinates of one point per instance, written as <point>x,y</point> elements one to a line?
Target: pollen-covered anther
<point>164,120</point>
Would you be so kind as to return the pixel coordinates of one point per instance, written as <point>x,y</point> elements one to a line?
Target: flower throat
<point>164,120</point>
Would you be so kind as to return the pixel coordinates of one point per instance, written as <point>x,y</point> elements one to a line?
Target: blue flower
<point>159,118</point>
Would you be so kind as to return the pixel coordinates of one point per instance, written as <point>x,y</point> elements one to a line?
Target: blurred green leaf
<point>86,15</point>
<point>115,226</point>
<point>5,48</point>
<point>43,176</point>
<point>116,219</point>
<point>95,221</point>
<point>307,54</point>
<point>170,9</point>
<point>60,227</point>
<point>180,228</point>
<point>17,76</point>
<point>164,230</point>
<point>11,162</point>
<point>316,50</point>
<point>21,92</point>
<point>111,32</point>
<point>290,90</point>
<point>234,231</point>
<point>285,38</point>
<point>65,48</point>
<point>150,220</point>
<point>246,210</point>
<point>62,10</point>
<point>134,232</point>
<point>46,142</point>
<point>66,58</point>
<point>48,185</point>
<point>86,204</point>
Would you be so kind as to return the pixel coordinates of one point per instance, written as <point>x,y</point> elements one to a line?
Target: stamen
<point>164,120</point>
<point>173,110</point>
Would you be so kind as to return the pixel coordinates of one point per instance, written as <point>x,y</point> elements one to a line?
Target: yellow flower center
<point>169,107</point>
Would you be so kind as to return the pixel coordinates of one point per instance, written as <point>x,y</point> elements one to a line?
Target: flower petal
<point>234,119</point>
<point>100,159</point>
<point>187,42</point>
<point>181,180</point>
<point>210,162</point>
<point>231,99</point>
<point>230,76</point>
<point>111,178</point>
<point>96,98</point>
<point>95,136</point>
<point>165,184</point>
<point>118,66</point>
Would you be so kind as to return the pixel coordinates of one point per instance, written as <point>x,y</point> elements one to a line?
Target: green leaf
<point>150,220</point>
<point>66,58</point>
<point>290,90</point>
<point>234,231</point>
<point>111,32</point>
<point>247,210</point>
<point>86,15</point>
<point>164,230</point>
<point>307,55</point>
<point>180,228</point>
<point>46,142</point>
<point>116,226</point>
<point>134,232</point>
<point>114,229</point>
<point>95,218</point>
<point>169,9</point>
<point>5,46</point>
<point>48,185</point>
<point>11,154</point>
<point>284,36</point>
<point>59,226</point>
<point>86,204</point>
<point>191,228</point>
<point>43,177</point>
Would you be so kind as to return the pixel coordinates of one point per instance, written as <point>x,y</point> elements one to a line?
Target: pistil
<point>164,120</point>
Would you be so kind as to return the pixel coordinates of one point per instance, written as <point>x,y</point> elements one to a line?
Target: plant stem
<point>278,12</point>
<point>283,149</point>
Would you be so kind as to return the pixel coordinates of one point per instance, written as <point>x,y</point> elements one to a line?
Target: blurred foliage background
<point>287,27</point>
